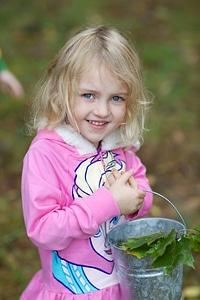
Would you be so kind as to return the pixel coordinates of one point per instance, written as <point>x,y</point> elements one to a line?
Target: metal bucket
<point>138,280</point>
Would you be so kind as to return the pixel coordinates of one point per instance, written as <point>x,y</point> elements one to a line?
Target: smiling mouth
<point>97,123</point>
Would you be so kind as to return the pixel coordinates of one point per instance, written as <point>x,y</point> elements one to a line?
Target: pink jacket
<point>68,213</point>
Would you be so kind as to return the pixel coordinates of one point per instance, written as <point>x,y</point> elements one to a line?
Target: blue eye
<point>117,98</point>
<point>113,222</point>
<point>98,233</point>
<point>88,96</point>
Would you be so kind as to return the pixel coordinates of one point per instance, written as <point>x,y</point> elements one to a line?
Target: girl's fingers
<point>116,174</point>
<point>122,178</point>
<point>106,184</point>
<point>132,182</point>
<point>142,194</point>
<point>110,180</point>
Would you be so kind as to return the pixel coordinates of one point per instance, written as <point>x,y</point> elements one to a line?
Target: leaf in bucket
<point>167,250</point>
<point>166,258</point>
<point>159,247</point>
<point>178,252</point>
<point>139,246</point>
<point>137,242</point>
<point>183,253</point>
<point>139,252</point>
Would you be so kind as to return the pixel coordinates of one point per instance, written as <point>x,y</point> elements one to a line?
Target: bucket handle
<point>155,193</point>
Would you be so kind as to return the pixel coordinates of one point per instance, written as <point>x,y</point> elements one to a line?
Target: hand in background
<point>10,84</point>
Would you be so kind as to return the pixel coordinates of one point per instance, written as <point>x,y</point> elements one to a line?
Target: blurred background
<point>166,36</point>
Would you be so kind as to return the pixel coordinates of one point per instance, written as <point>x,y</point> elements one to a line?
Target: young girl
<point>81,176</point>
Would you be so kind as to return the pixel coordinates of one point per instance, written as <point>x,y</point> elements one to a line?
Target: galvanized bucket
<point>138,280</point>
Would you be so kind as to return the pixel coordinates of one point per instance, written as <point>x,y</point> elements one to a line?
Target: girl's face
<point>100,105</point>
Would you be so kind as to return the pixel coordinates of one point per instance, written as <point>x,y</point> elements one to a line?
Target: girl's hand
<point>124,189</point>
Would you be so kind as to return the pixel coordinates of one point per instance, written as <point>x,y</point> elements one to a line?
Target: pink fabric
<point>37,291</point>
<point>64,209</point>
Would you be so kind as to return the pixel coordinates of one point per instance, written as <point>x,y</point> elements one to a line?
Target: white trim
<point>83,146</point>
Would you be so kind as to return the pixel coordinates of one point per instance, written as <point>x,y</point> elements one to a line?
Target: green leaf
<point>197,228</point>
<point>183,254</point>
<point>167,257</point>
<point>167,250</point>
<point>139,252</point>
<point>177,252</point>
<point>137,242</point>
<point>194,237</point>
<point>159,246</point>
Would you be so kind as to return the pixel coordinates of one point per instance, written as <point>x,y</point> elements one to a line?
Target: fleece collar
<point>83,146</point>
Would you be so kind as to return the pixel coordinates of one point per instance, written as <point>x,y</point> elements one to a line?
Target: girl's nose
<point>102,109</point>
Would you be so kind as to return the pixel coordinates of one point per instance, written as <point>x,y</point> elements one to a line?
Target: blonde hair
<point>104,45</point>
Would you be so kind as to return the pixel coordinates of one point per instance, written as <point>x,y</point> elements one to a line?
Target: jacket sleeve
<point>52,219</point>
<point>139,173</point>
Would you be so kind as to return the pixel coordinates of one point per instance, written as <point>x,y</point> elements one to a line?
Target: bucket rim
<point>135,221</point>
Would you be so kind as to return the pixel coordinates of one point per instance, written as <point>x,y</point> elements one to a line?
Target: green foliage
<point>195,239</point>
<point>167,250</point>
